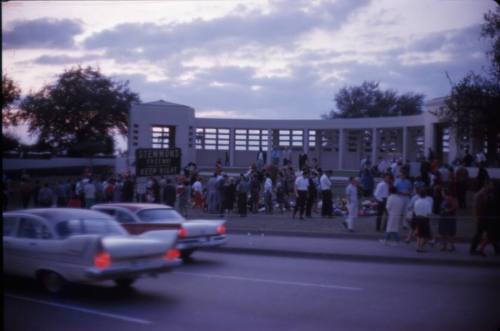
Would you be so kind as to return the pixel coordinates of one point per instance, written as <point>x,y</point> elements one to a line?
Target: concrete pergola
<point>336,144</point>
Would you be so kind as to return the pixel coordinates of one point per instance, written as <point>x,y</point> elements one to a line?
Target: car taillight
<point>221,229</point>
<point>102,260</point>
<point>172,254</point>
<point>182,233</point>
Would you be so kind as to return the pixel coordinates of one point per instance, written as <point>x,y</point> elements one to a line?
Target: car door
<point>34,245</point>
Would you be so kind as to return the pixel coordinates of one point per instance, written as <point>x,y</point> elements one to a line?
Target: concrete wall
<point>245,158</point>
<point>209,158</point>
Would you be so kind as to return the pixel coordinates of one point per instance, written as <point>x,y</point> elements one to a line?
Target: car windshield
<point>73,227</point>
<point>160,215</point>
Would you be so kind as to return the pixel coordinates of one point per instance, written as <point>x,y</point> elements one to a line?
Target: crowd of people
<point>403,202</point>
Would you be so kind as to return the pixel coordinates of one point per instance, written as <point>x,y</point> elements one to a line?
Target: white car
<point>139,218</point>
<point>60,245</point>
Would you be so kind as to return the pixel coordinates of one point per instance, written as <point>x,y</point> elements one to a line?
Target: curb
<point>355,257</point>
<point>284,233</point>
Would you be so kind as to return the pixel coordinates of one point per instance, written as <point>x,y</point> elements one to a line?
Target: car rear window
<point>88,226</point>
<point>160,215</point>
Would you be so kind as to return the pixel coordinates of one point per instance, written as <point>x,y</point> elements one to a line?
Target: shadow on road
<point>201,262</point>
<point>103,293</point>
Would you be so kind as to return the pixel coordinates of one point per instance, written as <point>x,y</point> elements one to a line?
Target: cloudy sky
<point>248,59</point>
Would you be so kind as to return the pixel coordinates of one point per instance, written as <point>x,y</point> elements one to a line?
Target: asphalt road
<point>219,291</point>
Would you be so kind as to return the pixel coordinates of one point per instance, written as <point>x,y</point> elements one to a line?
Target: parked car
<point>139,218</point>
<point>61,245</point>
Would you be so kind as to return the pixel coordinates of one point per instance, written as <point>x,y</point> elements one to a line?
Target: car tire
<point>52,282</point>
<point>186,255</point>
<point>124,282</point>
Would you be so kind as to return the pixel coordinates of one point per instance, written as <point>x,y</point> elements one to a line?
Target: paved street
<point>220,291</point>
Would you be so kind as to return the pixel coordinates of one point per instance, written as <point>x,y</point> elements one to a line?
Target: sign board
<point>157,162</point>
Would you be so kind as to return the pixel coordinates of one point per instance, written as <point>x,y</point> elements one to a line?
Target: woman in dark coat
<point>312,193</point>
<point>228,195</point>
<point>169,193</point>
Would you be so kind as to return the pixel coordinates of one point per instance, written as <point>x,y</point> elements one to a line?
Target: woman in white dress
<point>395,208</point>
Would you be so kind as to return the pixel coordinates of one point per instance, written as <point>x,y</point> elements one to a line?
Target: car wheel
<point>186,255</point>
<point>124,282</point>
<point>52,282</point>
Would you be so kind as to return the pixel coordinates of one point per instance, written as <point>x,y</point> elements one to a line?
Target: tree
<point>9,142</point>
<point>491,29</point>
<point>473,105</point>
<point>367,100</point>
<point>79,113</point>
<point>472,110</point>
<point>10,94</point>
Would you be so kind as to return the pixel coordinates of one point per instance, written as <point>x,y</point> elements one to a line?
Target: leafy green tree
<point>473,105</point>
<point>79,112</point>
<point>10,94</point>
<point>368,100</point>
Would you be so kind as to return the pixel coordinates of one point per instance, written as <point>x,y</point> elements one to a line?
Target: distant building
<point>336,144</point>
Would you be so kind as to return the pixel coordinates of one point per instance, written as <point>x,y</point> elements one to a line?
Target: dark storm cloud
<point>281,27</point>
<point>41,33</point>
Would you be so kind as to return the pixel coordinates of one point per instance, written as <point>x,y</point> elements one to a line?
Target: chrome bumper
<point>201,242</point>
<point>131,269</point>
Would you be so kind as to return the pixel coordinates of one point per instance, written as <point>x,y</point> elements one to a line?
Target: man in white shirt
<point>197,193</point>
<point>268,194</point>
<point>381,194</point>
<point>351,193</point>
<point>326,193</point>
<point>301,185</point>
<point>382,166</point>
<point>396,168</point>
<point>89,192</point>
<point>197,187</point>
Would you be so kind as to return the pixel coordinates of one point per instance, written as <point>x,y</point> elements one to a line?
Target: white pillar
<point>341,149</point>
<point>374,145</point>
<point>269,145</point>
<point>318,147</point>
<point>232,145</point>
<point>429,134</point>
<point>405,143</point>
<point>305,141</point>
